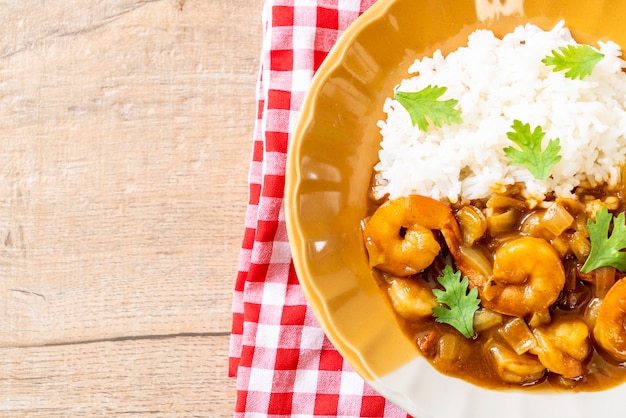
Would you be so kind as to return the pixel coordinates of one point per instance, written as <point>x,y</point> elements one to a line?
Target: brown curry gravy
<point>476,366</point>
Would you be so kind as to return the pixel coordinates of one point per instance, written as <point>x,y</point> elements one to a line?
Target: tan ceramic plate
<point>332,152</point>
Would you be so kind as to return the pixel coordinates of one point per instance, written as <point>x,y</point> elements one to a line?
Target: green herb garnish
<point>606,248</point>
<point>530,155</point>
<point>460,304</point>
<point>577,60</point>
<point>425,104</point>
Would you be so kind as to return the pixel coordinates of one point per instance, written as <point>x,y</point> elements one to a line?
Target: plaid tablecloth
<point>283,363</point>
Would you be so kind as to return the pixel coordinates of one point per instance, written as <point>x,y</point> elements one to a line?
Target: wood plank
<point>168,377</point>
<point>125,140</point>
<point>125,136</point>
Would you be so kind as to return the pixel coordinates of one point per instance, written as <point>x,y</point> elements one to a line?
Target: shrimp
<point>562,346</point>
<point>528,277</point>
<point>610,327</point>
<point>399,236</point>
<point>411,298</point>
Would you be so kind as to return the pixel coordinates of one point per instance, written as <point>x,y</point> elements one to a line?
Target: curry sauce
<point>535,349</point>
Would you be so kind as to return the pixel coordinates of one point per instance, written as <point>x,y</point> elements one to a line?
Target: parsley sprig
<point>538,162</point>
<point>425,104</point>
<point>578,61</point>
<point>459,304</point>
<point>606,245</point>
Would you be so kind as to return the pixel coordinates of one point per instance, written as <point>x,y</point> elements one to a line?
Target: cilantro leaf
<point>460,304</point>
<point>606,250</point>
<point>424,103</point>
<point>577,60</point>
<point>530,155</point>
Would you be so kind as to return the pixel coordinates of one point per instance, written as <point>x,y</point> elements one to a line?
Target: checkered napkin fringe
<point>283,363</point>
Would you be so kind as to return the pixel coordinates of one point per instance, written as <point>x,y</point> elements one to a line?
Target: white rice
<point>497,81</point>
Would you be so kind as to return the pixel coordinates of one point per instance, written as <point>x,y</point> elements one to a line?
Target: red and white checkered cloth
<point>284,364</point>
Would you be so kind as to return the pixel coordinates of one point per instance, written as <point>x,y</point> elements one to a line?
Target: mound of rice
<point>495,82</point>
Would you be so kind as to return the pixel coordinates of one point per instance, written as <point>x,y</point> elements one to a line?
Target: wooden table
<point>125,140</point>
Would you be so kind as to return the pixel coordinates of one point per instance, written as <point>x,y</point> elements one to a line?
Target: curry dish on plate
<point>497,224</point>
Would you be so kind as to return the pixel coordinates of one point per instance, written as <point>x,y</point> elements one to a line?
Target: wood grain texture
<point>151,377</point>
<point>125,140</point>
